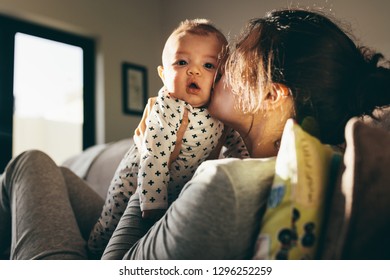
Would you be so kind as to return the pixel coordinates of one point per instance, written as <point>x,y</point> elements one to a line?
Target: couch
<point>357,213</point>
<point>98,163</point>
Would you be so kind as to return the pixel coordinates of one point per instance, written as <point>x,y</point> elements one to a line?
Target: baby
<point>190,60</point>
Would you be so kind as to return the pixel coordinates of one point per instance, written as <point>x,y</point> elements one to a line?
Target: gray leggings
<point>47,212</point>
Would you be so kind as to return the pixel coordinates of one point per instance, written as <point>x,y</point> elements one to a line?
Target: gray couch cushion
<point>97,164</point>
<point>103,167</point>
<point>81,163</point>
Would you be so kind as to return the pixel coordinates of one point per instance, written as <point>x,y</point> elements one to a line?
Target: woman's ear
<point>278,93</point>
<point>160,71</point>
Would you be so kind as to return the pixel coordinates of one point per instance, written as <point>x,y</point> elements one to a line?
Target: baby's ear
<point>160,71</point>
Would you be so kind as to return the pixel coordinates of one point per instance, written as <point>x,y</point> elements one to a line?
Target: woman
<point>291,63</point>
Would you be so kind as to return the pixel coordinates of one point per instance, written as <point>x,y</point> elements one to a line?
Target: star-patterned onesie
<point>145,167</point>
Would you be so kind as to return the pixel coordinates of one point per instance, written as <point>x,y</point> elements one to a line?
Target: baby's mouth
<point>193,86</point>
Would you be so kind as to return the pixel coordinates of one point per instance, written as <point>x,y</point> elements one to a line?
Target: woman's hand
<point>154,214</point>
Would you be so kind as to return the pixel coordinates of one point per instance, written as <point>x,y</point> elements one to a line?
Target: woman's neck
<point>258,144</point>
<point>260,136</point>
<point>251,133</point>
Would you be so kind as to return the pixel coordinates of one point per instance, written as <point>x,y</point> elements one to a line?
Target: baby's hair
<point>201,27</point>
<point>331,79</point>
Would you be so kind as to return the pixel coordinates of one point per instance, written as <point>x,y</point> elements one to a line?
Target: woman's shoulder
<point>236,166</point>
<point>224,198</point>
<point>237,173</point>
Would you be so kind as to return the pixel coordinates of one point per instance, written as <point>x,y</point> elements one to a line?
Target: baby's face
<point>189,66</point>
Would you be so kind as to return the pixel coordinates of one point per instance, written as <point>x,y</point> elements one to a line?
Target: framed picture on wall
<point>135,92</point>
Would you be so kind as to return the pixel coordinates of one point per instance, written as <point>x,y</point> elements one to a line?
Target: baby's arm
<point>139,136</point>
<point>157,146</point>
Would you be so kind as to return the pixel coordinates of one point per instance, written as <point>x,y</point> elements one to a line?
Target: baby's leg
<point>34,204</point>
<point>122,187</point>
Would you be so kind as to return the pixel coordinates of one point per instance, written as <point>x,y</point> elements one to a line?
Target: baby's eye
<point>181,62</point>
<point>209,66</point>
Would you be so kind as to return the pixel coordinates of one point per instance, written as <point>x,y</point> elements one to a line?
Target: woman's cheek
<point>222,102</point>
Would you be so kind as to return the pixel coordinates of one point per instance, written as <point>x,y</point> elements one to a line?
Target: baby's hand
<point>155,214</point>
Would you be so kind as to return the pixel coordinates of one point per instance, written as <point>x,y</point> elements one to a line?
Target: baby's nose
<point>193,71</point>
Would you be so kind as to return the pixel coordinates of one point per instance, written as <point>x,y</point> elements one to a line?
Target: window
<point>46,91</point>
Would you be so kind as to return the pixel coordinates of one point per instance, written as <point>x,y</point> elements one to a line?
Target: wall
<point>369,19</point>
<point>135,31</point>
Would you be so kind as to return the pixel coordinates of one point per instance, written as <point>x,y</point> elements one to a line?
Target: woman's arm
<point>198,225</point>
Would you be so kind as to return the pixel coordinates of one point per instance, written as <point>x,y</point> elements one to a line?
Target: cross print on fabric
<point>162,145</point>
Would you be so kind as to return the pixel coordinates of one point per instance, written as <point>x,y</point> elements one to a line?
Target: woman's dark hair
<point>331,79</point>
